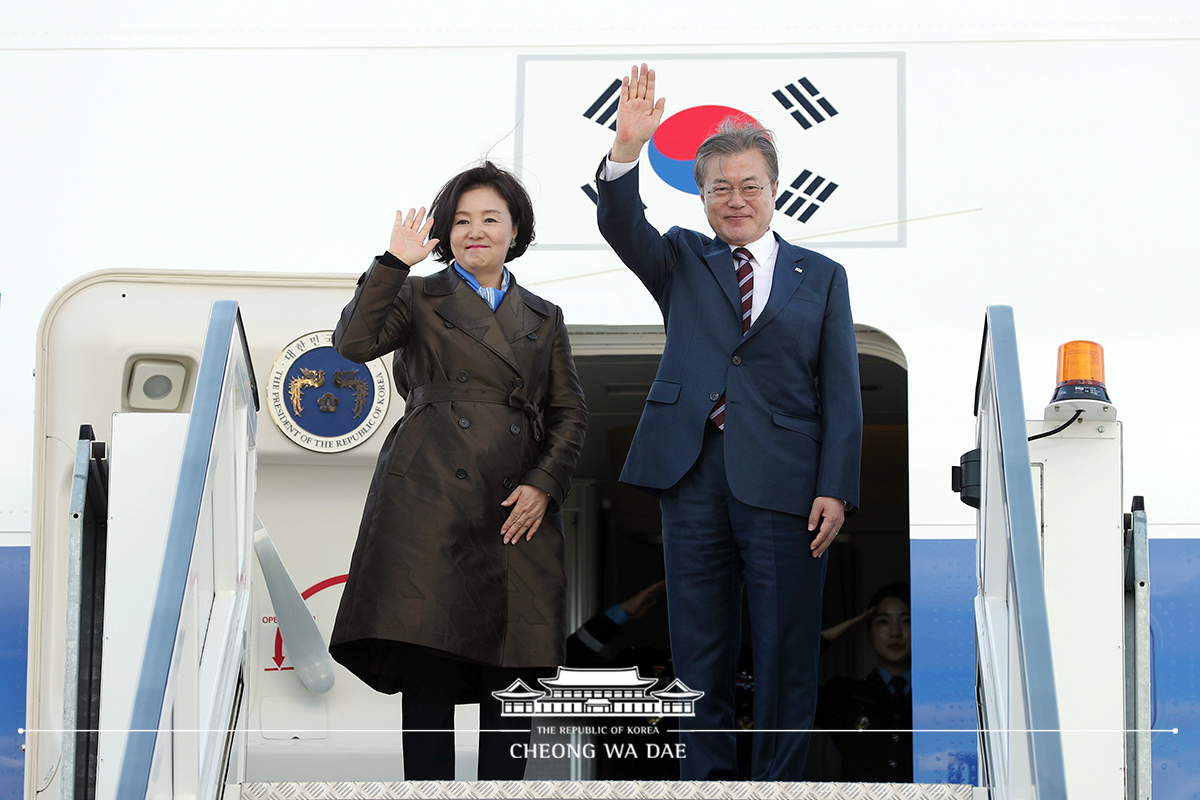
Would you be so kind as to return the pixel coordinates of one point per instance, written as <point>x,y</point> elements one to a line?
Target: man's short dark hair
<point>445,204</point>
<point>736,135</point>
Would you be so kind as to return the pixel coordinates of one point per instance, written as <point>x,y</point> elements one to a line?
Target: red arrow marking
<point>279,657</point>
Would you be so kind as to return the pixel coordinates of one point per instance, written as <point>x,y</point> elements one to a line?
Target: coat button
<point>737,360</point>
<point>518,383</point>
<point>892,764</point>
<point>895,737</point>
<point>449,324</point>
<point>715,396</point>
<point>533,336</point>
<point>460,473</point>
<point>464,423</point>
<point>462,377</point>
<point>515,428</point>
<point>507,483</point>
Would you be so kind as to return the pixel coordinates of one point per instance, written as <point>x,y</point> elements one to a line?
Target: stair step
<point>616,790</point>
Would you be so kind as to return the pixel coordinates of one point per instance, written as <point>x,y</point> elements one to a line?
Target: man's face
<point>736,220</point>
<point>891,636</point>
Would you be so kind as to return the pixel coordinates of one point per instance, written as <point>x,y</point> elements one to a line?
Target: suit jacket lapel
<point>719,259</point>
<point>788,275</point>
<point>470,313</point>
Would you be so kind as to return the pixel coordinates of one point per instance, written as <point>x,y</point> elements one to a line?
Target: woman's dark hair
<point>896,589</point>
<point>520,208</point>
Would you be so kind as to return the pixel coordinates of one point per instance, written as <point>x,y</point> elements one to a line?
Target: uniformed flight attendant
<point>457,584</point>
<point>874,716</point>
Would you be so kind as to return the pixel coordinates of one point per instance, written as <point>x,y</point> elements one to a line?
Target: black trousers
<point>432,685</point>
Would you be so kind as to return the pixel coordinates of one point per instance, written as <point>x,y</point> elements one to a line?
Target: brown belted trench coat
<point>493,401</point>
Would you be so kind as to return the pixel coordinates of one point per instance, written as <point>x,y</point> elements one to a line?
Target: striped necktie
<point>745,277</point>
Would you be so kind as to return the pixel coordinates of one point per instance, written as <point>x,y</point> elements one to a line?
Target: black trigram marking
<point>590,190</point>
<point>805,196</point>
<point>611,96</point>
<point>803,109</point>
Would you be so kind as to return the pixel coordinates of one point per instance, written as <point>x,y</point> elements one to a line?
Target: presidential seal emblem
<point>322,401</point>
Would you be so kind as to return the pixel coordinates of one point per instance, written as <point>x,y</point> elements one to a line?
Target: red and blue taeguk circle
<point>673,148</point>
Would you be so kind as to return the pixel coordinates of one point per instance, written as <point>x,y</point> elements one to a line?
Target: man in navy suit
<point>751,434</point>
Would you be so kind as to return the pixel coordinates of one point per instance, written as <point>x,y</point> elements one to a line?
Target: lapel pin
<point>799,270</point>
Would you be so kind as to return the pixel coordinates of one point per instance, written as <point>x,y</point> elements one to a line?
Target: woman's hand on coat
<point>409,236</point>
<point>529,505</point>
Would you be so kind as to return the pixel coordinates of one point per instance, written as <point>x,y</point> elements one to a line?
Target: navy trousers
<point>715,546</point>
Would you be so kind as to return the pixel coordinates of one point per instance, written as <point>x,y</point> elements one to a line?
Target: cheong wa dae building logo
<point>609,692</point>
<point>837,120</point>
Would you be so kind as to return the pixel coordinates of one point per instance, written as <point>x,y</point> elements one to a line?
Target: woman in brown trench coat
<point>457,584</point>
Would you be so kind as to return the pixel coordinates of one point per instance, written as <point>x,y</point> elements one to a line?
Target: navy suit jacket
<point>793,409</point>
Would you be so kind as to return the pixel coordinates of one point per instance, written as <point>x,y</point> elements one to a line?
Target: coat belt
<point>447,392</point>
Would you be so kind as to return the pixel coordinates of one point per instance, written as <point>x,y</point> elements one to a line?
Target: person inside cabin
<point>588,645</point>
<point>592,645</point>
<point>872,718</point>
<point>751,435</point>
<point>457,583</point>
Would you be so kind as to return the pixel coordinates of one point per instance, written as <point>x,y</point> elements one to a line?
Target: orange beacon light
<point>1080,373</point>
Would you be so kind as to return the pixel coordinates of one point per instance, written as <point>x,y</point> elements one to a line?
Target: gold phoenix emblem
<point>314,378</point>
<point>347,379</point>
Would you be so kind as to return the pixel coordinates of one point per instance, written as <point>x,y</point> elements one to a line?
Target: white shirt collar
<point>763,249</point>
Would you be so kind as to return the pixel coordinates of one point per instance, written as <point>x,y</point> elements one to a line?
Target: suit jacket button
<point>737,360</point>
<point>533,336</point>
<point>460,473</point>
<point>462,377</point>
<point>464,423</point>
<point>895,737</point>
<point>507,482</point>
<point>715,396</point>
<point>515,428</point>
<point>449,324</point>
<point>518,383</point>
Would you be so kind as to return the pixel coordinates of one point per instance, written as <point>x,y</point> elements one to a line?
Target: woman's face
<point>890,635</point>
<point>482,231</point>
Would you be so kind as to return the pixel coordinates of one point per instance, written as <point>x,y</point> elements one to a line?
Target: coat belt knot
<point>533,413</point>
<point>446,391</point>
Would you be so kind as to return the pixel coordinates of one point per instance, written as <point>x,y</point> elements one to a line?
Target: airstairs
<point>170,710</point>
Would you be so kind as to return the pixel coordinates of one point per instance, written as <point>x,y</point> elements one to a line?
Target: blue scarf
<point>490,296</point>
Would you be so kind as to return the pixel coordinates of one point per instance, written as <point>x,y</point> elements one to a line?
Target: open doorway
<point>616,367</point>
<point>872,550</point>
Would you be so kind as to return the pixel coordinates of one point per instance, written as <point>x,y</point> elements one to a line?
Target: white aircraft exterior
<point>1036,155</point>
